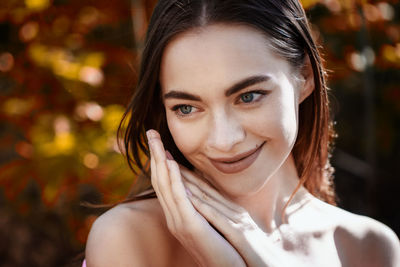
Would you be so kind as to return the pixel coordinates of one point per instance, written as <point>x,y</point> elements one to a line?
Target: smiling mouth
<point>237,163</point>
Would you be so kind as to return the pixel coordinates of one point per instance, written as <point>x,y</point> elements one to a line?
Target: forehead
<point>216,56</point>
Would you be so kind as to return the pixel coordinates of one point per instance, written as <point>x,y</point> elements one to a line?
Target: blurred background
<point>68,67</point>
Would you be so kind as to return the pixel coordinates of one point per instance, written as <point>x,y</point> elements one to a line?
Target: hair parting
<point>285,24</point>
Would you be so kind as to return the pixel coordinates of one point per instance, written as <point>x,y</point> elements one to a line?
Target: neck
<point>266,207</point>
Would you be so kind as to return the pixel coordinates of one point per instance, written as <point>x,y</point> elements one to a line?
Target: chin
<point>242,184</point>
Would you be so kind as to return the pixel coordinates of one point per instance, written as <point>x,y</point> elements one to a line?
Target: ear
<point>307,74</point>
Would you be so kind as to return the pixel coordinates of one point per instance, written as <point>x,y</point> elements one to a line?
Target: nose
<point>225,132</point>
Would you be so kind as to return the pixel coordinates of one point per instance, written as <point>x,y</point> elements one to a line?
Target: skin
<point>221,126</point>
<point>210,218</point>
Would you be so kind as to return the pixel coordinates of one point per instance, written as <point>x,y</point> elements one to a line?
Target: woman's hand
<point>193,231</point>
<point>235,223</point>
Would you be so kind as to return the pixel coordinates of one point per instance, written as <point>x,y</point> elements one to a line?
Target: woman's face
<point>231,105</point>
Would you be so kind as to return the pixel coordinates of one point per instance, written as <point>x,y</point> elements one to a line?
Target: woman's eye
<point>185,109</point>
<point>250,97</point>
<point>247,97</point>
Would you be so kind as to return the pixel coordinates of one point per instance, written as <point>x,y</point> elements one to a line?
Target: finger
<point>162,173</point>
<point>154,182</point>
<point>214,216</point>
<point>158,157</point>
<point>179,191</point>
<point>213,193</point>
<point>174,200</point>
<point>241,235</point>
<point>153,171</point>
<point>202,195</point>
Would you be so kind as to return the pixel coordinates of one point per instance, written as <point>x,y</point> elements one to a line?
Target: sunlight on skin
<point>221,126</point>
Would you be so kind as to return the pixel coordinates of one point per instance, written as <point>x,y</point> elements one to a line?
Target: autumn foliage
<point>68,67</point>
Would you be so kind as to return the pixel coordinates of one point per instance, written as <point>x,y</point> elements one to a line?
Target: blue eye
<point>247,97</point>
<point>251,97</point>
<point>185,109</point>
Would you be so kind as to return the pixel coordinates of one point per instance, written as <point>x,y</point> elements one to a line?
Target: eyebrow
<point>252,80</point>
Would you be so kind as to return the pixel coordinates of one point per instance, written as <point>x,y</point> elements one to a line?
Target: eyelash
<point>177,112</point>
<point>258,92</point>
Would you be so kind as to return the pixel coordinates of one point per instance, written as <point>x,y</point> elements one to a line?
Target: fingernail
<point>150,134</point>
<point>169,155</point>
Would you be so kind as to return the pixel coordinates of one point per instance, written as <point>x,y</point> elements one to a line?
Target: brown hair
<point>285,24</point>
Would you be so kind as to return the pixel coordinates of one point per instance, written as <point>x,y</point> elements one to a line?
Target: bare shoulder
<point>126,234</point>
<point>375,244</point>
<point>363,241</point>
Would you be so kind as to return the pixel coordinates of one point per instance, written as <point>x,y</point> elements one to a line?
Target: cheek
<point>278,121</point>
<point>186,137</point>
<point>288,120</point>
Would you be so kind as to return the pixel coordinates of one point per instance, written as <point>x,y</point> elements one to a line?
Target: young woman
<point>232,97</point>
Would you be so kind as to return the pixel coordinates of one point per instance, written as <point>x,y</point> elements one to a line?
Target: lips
<point>238,163</point>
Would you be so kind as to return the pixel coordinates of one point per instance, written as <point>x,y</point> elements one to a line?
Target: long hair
<point>285,24</point>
